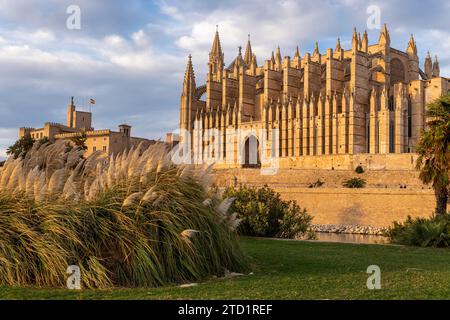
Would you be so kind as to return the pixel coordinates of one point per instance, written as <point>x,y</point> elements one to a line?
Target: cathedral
<point>369,99</point>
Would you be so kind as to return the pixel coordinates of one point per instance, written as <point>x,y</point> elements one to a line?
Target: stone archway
<point>251,156</point>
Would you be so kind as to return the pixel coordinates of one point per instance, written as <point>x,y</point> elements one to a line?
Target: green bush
<point>316,184</point>
<point>354,183</point>
<point>359,170</point>
<point>264,214</point>
<point>433,232</point>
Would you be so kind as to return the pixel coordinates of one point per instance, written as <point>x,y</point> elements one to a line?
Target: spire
<point>365,42</point>
<point>216,55</point>
<point>278,59</point>
<point>297,59</point>
<point>272,61</point>
<point>436,69</point>
<point>385,38</point>
<point>359,42</point>
<point>297,53</point>
<point>187,97</point>
<point>338,45</point>
<point>355,44</point>
<point>254,61</point>
<point>216,50</point>
<point>189,76</point>
<point>316,49</point>
<point>248,52</point>
<point>428,66</point>
<point>412,48</point>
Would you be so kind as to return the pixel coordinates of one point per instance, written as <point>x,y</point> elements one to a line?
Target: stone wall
<point>365,207</point>
<point>390,195</point>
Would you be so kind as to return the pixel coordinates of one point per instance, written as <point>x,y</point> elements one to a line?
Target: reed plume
<point>134,219</point>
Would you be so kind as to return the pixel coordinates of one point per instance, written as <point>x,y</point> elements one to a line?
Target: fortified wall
<point>393,189</point>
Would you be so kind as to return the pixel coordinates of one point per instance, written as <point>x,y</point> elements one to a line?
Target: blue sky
<point>130,56</point>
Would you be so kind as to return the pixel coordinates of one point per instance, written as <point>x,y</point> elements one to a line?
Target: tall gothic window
<point>391,137</point>
<point>409,117</point>
<point>391,105</point>
<point>397,71</point>
<point>368,135</point>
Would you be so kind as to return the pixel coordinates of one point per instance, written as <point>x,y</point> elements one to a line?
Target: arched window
<point>409,117</point>
<point>391,105</point>
<point>251,152</point>
<point>397,71</point>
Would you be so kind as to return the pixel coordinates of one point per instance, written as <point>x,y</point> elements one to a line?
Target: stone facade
<point>369,99</point>
<point>80,123</point>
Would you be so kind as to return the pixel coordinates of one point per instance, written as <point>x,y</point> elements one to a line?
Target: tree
<point>20,147</point>
<point>434,151</point>
<point>80,141</point>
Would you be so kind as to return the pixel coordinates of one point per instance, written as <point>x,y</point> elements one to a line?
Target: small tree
<point>354,183</point>
<point>434,151</point>
<point>265,214</point>
<point>80,141</point>
<point>20,147</point>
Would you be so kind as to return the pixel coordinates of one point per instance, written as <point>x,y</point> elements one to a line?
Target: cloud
<point>132,57</point>
<point>7,138</point>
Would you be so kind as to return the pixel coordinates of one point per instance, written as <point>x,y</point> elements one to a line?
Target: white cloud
<point>171,11</point>
<point>132,59</point>
<point>7,138</point>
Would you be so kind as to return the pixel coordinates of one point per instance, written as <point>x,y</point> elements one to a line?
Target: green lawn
<point>300,270</point>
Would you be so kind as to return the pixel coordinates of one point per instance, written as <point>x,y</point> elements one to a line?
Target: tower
<point>436,69</point>
<point>78,119</point>
<point>413,60</point>
<point>70,113</point>
<point>187,104</point>
<point>428,67</point>
<point>216,59</point>
<point>248,55</point>
<point>365,42</point>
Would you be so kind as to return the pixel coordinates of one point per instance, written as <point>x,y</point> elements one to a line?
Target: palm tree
<point>434,151</point>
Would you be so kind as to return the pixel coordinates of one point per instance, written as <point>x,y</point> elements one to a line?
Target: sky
<point>131,56</point>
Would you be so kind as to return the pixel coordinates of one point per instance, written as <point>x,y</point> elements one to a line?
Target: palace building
<point>369,99</point>
<point>80,123</point>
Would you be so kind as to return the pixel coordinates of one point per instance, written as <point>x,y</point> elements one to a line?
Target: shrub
<point>359,170</point>
<point>130,220</point>
<point>433,232</point>
<point>264,214</point>
<point>316,184</point>
<point>354,183</point>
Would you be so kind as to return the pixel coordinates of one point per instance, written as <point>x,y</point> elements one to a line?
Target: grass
<point>300,270</point>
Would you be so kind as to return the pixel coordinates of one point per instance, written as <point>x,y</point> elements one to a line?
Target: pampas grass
<point>130,220</point>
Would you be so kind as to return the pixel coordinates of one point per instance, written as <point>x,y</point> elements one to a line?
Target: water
<point>350,238</point>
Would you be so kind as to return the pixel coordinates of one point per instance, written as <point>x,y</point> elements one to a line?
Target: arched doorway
<point>251,153</point>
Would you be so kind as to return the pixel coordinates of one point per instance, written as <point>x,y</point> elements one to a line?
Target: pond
<point>351,238</point>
